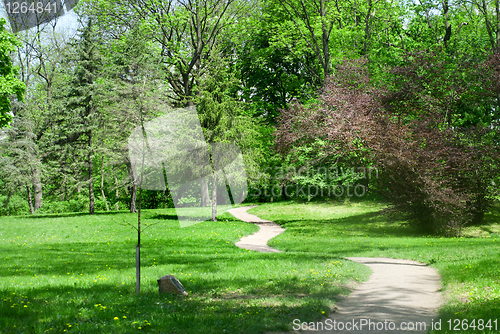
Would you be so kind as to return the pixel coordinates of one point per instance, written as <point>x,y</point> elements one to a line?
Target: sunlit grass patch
<point>469,266</point>
<point>76,273</point>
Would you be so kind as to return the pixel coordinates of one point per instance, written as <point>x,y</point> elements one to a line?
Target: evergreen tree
<point>78,123</point>
<point>222,116</point>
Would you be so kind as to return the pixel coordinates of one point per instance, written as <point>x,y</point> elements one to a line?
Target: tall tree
<point>325,28</point>
<point>186,32</point>
<point>136,92</point>
<point>77,125</point>
<point>137,95</point>
<point>221,116</point>
<point>271,75</point>
<point>39,57</point>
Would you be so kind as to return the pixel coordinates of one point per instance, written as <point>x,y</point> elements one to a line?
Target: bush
<point>79,204</point>
<point>16,206</point>
<point>438,174</point>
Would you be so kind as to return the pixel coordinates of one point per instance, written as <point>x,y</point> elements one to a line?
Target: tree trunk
<point>117,195</point>
<point>137,270</point>
<point>37,188</point>
<point>368,27</point>
<point>447,25</point>
<point>214,197</point>
<point>497,9</point>
<point>91,182</point>
<point>7,199</point>
<point>483,8</point>
<point>102,184</point>
<point>325,38</point>
<point>138,250</point>
<point>132,188</point>
<point>133,197</point>
<point>205,199</point>
<point>30,202</point>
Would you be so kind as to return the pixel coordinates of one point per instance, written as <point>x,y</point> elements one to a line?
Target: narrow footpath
<point>258,240</point>
<point>401,296</point>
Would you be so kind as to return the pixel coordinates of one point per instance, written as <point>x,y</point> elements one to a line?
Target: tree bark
<point>37,188</point>
<point>483,8</point>
<point>497,9</point>
<point>117,195</point>
<point>7,199</point>
<point>30,202</point>
<point>133,197</point>
<point>91,182</point>
<point>205,199</point>
<point>368,27</point>
<point>447,25</point>
<point>102,184</point>
<point>132,188</point>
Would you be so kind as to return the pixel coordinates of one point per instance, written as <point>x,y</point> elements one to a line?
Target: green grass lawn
<point>76,274</point>
<point>469,266</point>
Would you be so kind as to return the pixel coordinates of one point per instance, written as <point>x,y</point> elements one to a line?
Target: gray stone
<point>170,284</point>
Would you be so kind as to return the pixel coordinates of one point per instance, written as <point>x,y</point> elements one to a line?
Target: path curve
<point>398,291</point>
<point>258,240</point>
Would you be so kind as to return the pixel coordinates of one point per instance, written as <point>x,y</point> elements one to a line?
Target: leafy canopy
<point>9,83</point>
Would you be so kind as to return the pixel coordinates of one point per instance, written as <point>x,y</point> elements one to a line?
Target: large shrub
<point>433,170</point>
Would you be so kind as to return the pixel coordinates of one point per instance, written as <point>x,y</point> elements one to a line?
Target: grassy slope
<point>469,266</point>
<point>75,274</point>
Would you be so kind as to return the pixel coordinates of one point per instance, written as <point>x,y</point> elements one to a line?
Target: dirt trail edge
<point>399,297</point>
<point>258,240</point>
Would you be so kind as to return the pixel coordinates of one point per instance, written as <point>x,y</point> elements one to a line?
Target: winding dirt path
<point>401,296</point>
<point>258,240</point>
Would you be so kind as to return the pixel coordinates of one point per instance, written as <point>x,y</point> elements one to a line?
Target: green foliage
<point>221,114</point>
<point>16,205</point>
<point>78,204</point>
<point>272,76</point>
<point>9,83</point>
<point>240,70</point>
<point>223,117</point>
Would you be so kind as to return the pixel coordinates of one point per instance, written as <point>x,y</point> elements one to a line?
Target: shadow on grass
<point>484,314</point>
<point>245,302</point>
<point>73,214</point>
<point>374,224</point>
<point>148,213</point>
<point>163,217</point>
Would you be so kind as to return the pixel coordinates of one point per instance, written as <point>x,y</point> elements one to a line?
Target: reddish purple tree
<point>434,173</point>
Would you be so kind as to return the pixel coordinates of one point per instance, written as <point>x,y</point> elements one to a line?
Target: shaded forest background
<point>407,88</point>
